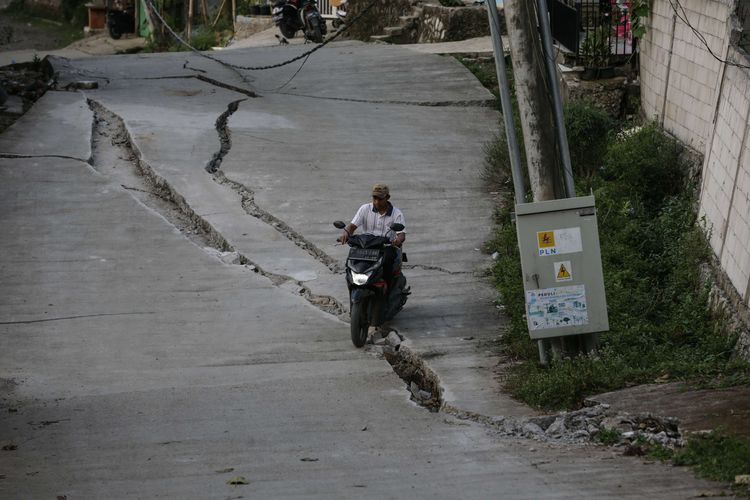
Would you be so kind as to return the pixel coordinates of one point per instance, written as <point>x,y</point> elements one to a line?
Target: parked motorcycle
<point>120,21</point>
<point>292,16</point>
<point>372,301</point>
<point>340,6</point>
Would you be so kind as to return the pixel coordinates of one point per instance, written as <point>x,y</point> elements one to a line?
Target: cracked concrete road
<point>165,329</point>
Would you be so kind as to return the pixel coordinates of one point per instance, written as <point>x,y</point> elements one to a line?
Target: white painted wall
<point>706,104</point>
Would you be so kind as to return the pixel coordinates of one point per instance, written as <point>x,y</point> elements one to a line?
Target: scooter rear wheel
<point>287,31</point>
<point>359,324</point>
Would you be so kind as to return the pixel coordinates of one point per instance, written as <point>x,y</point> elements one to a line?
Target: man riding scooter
<point>376,218</point>
<point>381,220</point>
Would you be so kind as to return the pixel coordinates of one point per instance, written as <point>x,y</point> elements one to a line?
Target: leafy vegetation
<point>64,25</point>
<point>653,250</point>
<point>716,456</point>
<point>609,436</point>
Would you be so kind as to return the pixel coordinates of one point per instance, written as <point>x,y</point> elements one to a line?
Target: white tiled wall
<point>684,89</point>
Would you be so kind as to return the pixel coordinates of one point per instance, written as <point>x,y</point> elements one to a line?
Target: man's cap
<point>380,191</point>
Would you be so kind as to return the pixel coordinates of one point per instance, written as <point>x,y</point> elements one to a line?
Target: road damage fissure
<point>422,383</point>
<point>188,221</point>
<point>479,103</point>
<point>247,196</point>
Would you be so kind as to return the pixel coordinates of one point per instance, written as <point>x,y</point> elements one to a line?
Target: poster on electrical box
<point>556,307</point>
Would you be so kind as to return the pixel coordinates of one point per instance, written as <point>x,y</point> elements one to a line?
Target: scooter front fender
<point>360,294</point>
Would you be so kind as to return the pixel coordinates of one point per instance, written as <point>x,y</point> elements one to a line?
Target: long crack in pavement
<point>247,196</point>
<point>113,155</point>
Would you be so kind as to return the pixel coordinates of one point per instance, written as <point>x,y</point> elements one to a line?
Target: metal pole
<point>502,80</point>
<point>562,136</point>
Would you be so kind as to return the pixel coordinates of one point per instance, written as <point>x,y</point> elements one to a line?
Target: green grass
<point>715,456</point>
<point>67,29</point>
<point>652,252</point>
<point>609,436</point>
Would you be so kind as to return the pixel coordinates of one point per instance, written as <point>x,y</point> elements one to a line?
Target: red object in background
<point>622,28</point>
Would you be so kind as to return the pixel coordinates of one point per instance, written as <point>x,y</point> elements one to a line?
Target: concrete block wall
<point>725,193</point>
<point>678,73</point>
<point>706,104</point>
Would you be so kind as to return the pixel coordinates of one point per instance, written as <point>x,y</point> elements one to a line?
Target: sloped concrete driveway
<point>162,337</point>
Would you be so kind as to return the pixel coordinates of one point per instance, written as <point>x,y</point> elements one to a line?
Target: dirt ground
<point>697,409</point>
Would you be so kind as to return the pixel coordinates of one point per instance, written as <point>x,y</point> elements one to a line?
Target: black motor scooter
<point>292,16</point>
<point>120,21</point>
<point>373,299</point>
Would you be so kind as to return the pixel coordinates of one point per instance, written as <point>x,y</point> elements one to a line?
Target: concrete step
<point>393,30</point>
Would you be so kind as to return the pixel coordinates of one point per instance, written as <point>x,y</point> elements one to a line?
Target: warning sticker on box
<point>563,271</point>
<point>556,307</point>
<point>559,241</point>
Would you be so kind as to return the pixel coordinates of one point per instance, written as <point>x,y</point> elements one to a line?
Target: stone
<point>393,339</point>
<point>581,434</point>
<point>531,429</point>
<point>230,257</point>
<point>660,438</point>
<point>742,479</point>
<point>544,421</point>
<point>618,423</point>
<point>414,389</point>
<point>425,396</point>
<point>557,428</point>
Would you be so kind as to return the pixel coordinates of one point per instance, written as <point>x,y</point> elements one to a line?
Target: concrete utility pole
<point>533,99</point>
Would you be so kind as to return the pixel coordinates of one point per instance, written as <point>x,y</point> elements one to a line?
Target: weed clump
<point>652,250</point>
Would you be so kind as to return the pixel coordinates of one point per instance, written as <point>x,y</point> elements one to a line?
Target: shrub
<point>588,131</point>
<point>645,168</point>
<point>652,250</point>
<point>204,38</point>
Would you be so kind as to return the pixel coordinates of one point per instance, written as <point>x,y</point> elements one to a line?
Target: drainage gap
<point>114,156</point>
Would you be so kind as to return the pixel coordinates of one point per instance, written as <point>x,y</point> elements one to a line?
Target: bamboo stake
<point>204,8</point>
<point>234,14</point>
<point>218,14</point>
<point>190,19</point>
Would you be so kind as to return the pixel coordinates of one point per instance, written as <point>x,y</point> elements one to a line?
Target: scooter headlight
<point>360,279</point>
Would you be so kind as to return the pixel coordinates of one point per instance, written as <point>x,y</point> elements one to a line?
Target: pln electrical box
<point>562,267</point>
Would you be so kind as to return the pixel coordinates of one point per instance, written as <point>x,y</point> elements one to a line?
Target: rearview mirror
<point>339,224</point>
<point>397,227</point>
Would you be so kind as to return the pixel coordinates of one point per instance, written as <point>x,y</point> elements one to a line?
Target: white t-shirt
<point>370,221</point>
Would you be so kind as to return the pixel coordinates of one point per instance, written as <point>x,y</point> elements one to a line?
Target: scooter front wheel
<point>359,323</point>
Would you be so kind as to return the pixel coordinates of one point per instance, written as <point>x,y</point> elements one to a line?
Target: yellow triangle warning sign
<point>563,271</point>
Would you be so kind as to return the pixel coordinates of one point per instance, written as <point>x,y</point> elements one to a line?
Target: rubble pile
<point>636,433</point>
<point>20,87</point>
<point>421,382</point>
<point>586,425</point>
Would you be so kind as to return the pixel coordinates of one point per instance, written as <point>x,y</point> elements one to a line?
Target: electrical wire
<point>154,10</point>
<point>700,35</point>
